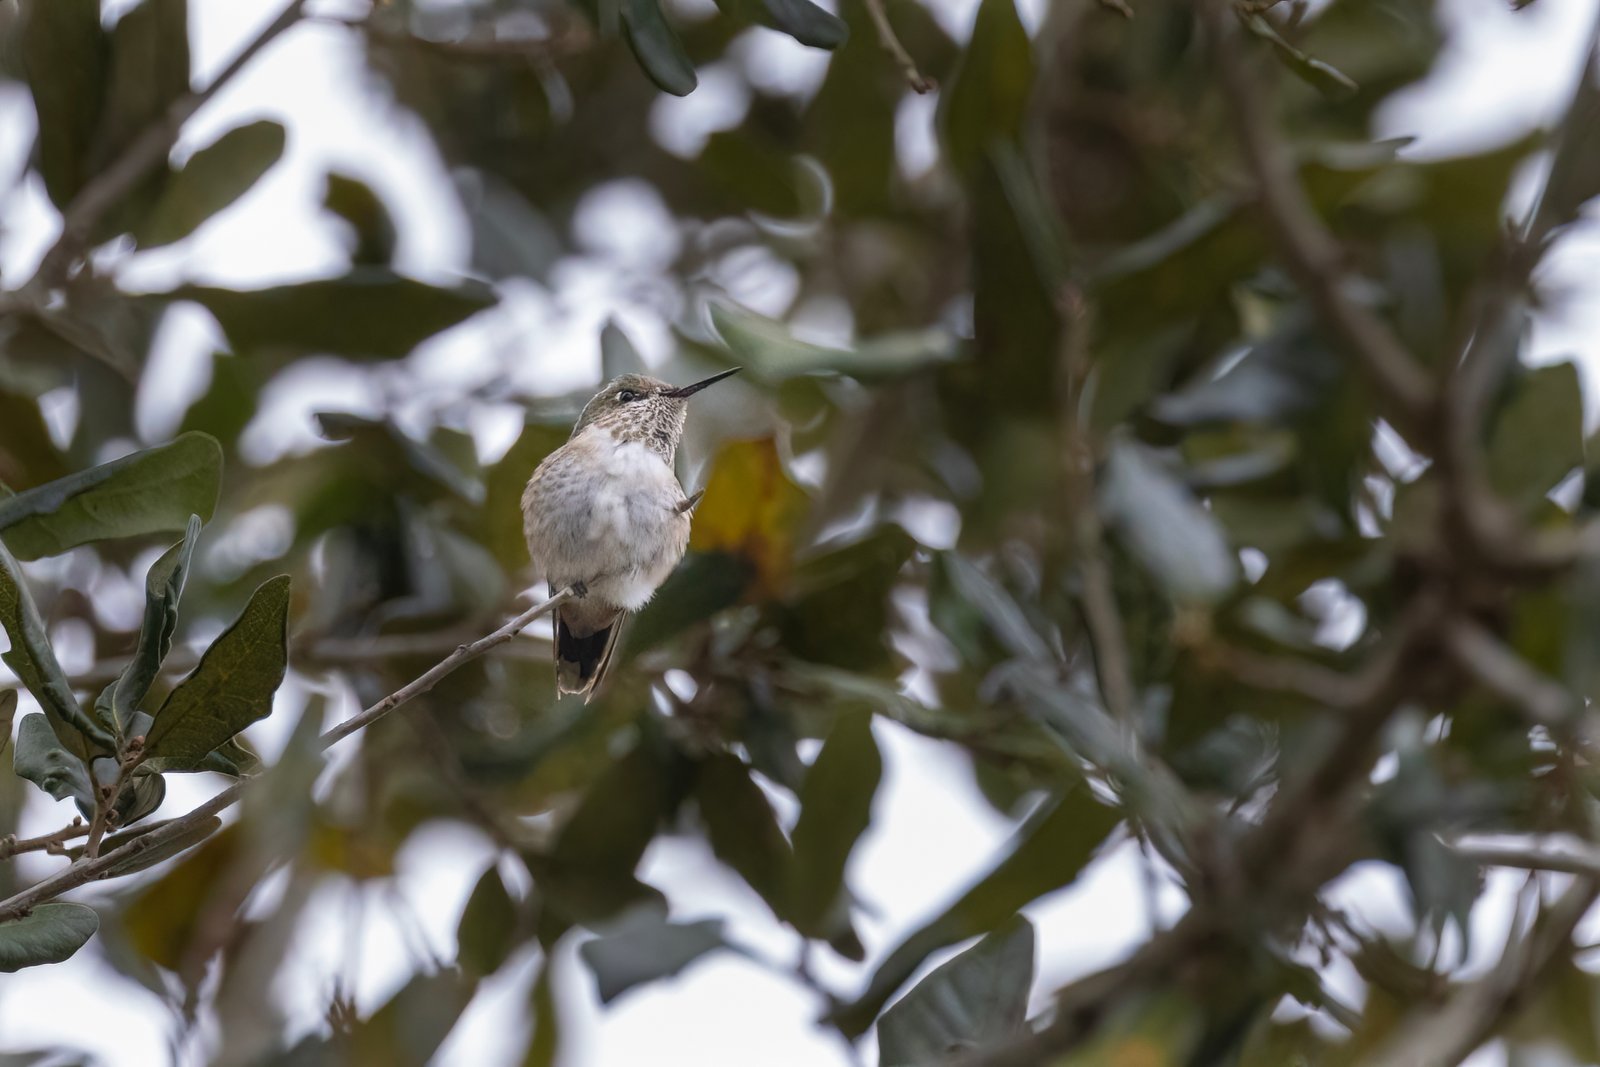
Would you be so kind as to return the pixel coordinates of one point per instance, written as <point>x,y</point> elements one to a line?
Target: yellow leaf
<point>750,510</point>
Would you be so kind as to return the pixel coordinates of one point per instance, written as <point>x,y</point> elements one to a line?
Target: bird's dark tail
<point>581,662</point>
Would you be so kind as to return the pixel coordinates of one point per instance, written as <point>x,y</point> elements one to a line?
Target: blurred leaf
<point>229,402</point>
<point>994,605</point>
<point>642,946</point>
<point>749,510</point>
<point>545,1040</point>
<point>149,70</point>
<point>743,829</point>
<point>370,312</point>
<point>965,1004</point>
<point>211,180</point>
<point>657,47</point>
<point>41,759</point>
<point>839,611</point>
<point>772,354</point>
<point>1172,535</point>
<point>485,934</point>
<point>1280,377</point>
<point>503,485</point>
<point>1047,853</point>
<point>703,584</point>
<point>1537,437</point>
<point>28,456</point>
<point>758,175</point>
<point>800,19</point>
<point>588,874</point>
<point>163,585</point>
<point>164,917</point>
<point>8,711</point>
<point>835,809</point>
<point>1314,72</point>
<point>354,201</point>
<point>64,56</point>
<point>617,354</point>
<point>1575,171</point>
<point>153,491</point>
<point>988,94</point>
<point>49,934</point>
<point>408,1030</point>
<point>231,687</point>
<point>33,661</point>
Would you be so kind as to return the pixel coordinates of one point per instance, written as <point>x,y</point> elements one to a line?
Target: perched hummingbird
<point>604,515</point>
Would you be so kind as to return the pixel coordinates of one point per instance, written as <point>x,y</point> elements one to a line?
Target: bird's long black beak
<point>690,390</point>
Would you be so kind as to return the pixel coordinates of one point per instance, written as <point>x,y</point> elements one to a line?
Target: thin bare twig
<point>918,81</point>
<point>88,870</point>
<point>54,842</point>
<point>1564,853</point>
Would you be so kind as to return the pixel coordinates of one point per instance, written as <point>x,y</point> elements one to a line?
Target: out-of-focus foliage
<point>1078,476</point>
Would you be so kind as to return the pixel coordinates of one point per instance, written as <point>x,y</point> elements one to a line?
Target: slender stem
<point>89,869</point>
<point>53,842</point>
<point>890,41</point>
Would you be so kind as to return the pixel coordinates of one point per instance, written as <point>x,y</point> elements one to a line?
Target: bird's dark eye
<point>627,396</point>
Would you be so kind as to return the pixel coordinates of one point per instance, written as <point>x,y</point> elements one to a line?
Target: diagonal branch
<point>88,870</point>
<point>1312,254</point>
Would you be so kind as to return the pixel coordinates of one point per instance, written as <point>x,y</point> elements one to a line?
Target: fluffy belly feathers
<point>605,513</point>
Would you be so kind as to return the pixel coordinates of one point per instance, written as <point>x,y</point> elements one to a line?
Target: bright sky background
<point>932,833</point>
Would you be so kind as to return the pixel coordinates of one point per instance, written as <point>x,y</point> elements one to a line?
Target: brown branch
<point>147,152</point>
<point>1564,853</point>
<point>88,870</point>
<point>54,842</point>
<point>919,82</point>
<point>1312,254</point>
<point>1483,656</point>
<point>1451,1032</point>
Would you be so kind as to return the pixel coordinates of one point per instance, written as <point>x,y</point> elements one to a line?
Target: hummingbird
<point>605,516</point>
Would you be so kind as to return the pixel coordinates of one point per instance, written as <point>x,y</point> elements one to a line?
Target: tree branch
<point>54,842</point>
<point>918,81</point>
<point>89,869</point>
<point>1508,675</point>
<point>1450,1033</point>
<point>1564,853</point>
<point>1313,256</point>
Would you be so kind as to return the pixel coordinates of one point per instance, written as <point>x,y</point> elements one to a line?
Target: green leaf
<point>1537,437</point>
<point>408,1030</point>
<point>64,57</point>
<point>657,47</point>
<point>1177,540</point>
<point>1575,171</point>
<point>33,661</point>
<point>355,202</point>
<point>8,711</point>
<point>211,180</point>
<point>772,354</point>
<point>41,759</point>
<point>806,22</point>
<point>1320,76</point>
<point>149,70</point>
<point>835,809</point>
<point>485,935</point>
<point>988,94</point>
<point>371,312</point>
<point>965,1004</point>
<point>503,484</point>
<point>704,584</point>
<point>163,585</point>
<point>617,354</point>
<point>1047,853</point>
<point>743,829</point>
<point>545,1040</point>
<point>49,934</point>
<point>642,946</point>
<point>153,491</point>
<point>231,687</point>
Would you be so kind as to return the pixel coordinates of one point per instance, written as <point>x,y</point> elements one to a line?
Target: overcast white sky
<point>1502,73</point>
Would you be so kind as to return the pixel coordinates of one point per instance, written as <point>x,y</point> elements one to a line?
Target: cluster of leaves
<point>109,758</point>
<point>1153,474</point>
